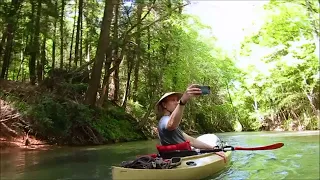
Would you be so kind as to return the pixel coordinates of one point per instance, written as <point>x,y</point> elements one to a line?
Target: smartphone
<point>205,89</point>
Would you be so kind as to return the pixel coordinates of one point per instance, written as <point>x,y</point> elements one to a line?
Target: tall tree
<point>115,75</point>
<point>103,43</point>
<point>79,32</point>
<point>34,52</point>
<point>54,36</point>
<point>7,37</point>
<point>62,33</point>
<point>138,51</point>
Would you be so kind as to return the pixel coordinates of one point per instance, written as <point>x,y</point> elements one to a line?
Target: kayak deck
<point>192,167</point>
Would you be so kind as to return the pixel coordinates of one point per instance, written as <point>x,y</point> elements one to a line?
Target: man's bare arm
<point>196,143</point>
<point>176,116</point>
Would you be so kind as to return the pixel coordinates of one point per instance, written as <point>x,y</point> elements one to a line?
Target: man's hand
<point>192,91</point>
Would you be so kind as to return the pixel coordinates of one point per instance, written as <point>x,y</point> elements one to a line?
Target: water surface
<point>298,159</point>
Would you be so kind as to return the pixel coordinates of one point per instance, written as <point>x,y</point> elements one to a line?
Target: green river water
<point>297,159</point>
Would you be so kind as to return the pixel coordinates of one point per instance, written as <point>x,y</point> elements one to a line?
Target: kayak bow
<point>192,167</point>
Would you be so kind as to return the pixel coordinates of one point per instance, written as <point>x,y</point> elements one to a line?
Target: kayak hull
<point>203,166</point>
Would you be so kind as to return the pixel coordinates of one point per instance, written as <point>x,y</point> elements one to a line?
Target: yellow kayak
<point>192,167</point>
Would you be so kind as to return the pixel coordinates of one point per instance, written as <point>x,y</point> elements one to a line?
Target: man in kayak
<point>170,109</point>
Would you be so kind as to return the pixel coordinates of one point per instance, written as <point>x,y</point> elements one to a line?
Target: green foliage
<point>312,123</point>
<point>57,119</point>
<point>54,118</point>
<point>15,101</point>
<point>288,87</point>
<point>282,84</point>
<point>136,109</point>
<point>116,129</point>
<point>217,118</point>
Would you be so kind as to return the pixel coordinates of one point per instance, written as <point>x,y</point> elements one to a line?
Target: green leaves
<point>284,90</point>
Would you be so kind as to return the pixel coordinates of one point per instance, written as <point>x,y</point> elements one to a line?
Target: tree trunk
<point>115,69</point>
<point>130,64</point>
<point>54,39</point>
<point>7,52</point>
<point>109,58</point>
<point>77,49</point>
<point>114,85</point>
<point>103,43</point>
<point>138,51</point>
<point>42,61</point>
<point>87,51</point>
<point>8,36</point>
<point>72,37</point>
<point>105,83</point>
<point>81,38</point>
<point>106,79</point>
<point>149,68</point>
<point>22,58</point>
<point>61,33</point>
<point>235,111</point>
<point>35,46</point>
<point>29,44</point>
<point>115,75</point>
<point>3,40</point>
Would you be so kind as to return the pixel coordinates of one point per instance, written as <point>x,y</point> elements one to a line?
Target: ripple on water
<point>281,174</point>
<point>231,174</point>
<point>298,155</point>
<point>271,157</point>
<point>244,158</point>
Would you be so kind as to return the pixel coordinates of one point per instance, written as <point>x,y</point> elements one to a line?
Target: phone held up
<point>205,89</point>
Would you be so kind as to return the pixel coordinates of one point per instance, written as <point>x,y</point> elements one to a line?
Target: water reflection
<point>15,162</point>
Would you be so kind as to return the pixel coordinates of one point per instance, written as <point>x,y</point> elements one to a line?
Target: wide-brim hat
<point>158,107</point>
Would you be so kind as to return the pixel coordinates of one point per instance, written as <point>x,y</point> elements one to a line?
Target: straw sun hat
<point>158,106</point>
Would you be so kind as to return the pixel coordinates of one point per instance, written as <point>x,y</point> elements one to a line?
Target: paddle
<point>183,153</point>
<point>231,148</point>
<point>224,149</point>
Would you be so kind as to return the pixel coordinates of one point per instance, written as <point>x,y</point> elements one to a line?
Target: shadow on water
<point>298,159</point>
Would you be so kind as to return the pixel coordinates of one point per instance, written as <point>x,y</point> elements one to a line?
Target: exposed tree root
<point>14,129</point>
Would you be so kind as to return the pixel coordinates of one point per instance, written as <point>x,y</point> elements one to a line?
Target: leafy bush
<point>59,120</point>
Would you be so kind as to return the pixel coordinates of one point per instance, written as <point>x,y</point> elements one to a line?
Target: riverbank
<point>13,137</point>
<point>19,143</point>
<point>32,117</point>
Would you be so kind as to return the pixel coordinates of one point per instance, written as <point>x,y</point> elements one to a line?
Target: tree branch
<point>160,19</point>
<point>132,27</point>
<point>125,36</point>
<point>83,66</point>
<point>9,118</point>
